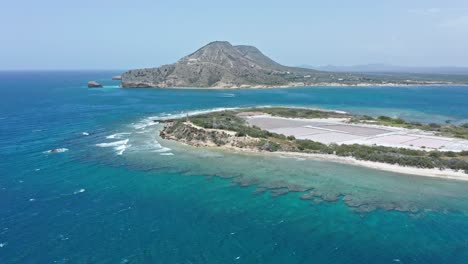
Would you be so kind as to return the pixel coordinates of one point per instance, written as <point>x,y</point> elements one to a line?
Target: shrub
<point>240,134</point>
<point>399,121</point>
<point>450,154</point>
<point>267,145</point>
<point>384,118</point>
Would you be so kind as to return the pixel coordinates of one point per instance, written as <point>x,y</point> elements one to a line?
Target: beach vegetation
<point>271,142</point>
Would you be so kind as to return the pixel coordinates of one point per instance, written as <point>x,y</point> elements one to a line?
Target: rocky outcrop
<point>94,84</point>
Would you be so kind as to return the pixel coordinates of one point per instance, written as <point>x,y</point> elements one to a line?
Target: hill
<point>222,65</point>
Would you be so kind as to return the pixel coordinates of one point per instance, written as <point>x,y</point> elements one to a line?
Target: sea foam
<point>57,150</point>
<point>79,191</point>
<point>113,144</point>
<point>119,146</point>
<point>117,135</point>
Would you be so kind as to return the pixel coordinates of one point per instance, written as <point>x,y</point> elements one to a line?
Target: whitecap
<point>121,149</point>
<point>79,191</point>
<point>32,200</point>
<point>144,123</point>
<point>113,144</point>
<point>162,150</point>
<point>62,237</point>
<point>57,150</point>
<point>85,134</point>
<point>227,95</point>
<point>167,154</point>
<point>117,135</point>
<point>3,244</point>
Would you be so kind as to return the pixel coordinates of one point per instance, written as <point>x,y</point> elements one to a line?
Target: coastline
<point>196,136</point>
<point>447,174</point>
<point>324,85</point>
<point>434,173</point>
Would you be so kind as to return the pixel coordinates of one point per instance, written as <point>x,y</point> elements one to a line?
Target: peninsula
<point>222,65</point>
<point>383,142</point>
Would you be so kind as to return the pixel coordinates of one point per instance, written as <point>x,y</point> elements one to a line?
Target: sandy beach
<point>437,173</point>
<point>422,172</point>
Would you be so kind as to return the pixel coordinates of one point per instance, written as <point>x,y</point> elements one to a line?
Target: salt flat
<point>337,130</point>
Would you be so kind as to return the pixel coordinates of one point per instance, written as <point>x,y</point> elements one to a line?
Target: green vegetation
<point>268,141</point>
<point>228,120</point>
<point>298,112</point>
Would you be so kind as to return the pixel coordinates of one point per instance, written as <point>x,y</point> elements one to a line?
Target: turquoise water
<point>120,194</point>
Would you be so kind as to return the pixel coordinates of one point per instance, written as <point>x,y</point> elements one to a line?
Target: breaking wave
<point>57,150</point>
<point>119,146</point>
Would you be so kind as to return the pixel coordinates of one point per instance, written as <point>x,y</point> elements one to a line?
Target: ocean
<point>115,192</point>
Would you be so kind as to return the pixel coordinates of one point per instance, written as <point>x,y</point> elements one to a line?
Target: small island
<point>94,84</point>
<point>382,143</point>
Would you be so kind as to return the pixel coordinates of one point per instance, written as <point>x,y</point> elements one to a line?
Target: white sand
<point>437,173</point>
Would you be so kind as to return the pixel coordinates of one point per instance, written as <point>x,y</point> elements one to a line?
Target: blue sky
<point>52,34</point>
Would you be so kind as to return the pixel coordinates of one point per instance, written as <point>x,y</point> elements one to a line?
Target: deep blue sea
<point>120,194</point>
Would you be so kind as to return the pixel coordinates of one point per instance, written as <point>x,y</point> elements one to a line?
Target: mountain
<point>218,64</point>
<point>386,68</point>
<point>222,65</point>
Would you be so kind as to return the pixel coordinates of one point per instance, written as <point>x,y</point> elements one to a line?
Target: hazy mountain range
<point>388,68</point>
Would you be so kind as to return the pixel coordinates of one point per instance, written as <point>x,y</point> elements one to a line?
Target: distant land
<point>388,68</point>
<point>222,65</point>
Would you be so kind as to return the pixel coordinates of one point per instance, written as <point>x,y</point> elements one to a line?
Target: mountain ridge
<point>219,64</point>
<point>390,68</point>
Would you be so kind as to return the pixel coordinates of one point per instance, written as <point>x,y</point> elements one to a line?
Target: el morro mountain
<point>222,65</point>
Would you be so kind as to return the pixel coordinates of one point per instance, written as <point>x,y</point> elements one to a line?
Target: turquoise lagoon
<point>121,194</point>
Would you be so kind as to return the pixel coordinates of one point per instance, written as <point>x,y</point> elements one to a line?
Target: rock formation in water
<point>94,84</point>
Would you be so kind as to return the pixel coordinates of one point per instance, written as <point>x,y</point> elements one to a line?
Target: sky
<point>123,34</point>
